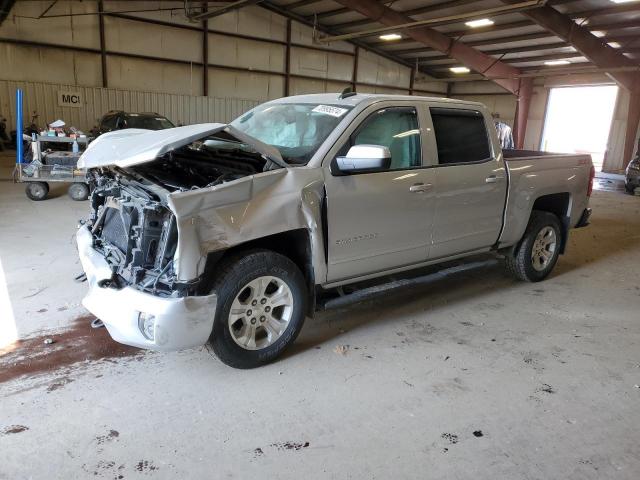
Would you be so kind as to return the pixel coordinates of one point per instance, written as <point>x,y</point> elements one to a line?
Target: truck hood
<point>125,148</point>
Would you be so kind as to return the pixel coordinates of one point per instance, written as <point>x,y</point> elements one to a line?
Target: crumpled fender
<point>219,217</point>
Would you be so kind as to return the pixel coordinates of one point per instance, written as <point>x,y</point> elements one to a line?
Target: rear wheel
<point>537,254</point>
<point>261,308</point>
<point>78,191</point>
<point>37,190</point>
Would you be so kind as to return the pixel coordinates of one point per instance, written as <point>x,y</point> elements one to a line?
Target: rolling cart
<point>56,166</point>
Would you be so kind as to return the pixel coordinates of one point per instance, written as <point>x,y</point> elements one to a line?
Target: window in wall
<point>461,135</point>
<point>397,129</point>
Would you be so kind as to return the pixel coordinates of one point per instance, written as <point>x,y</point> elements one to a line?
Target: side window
<point>461,135</point>
<point>396,129</point>
<point>109,123</point>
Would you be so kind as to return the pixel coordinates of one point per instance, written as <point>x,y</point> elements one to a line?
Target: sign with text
<point>69,99</point>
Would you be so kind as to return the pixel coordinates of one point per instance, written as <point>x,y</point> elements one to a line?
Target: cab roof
<point>358,98</point>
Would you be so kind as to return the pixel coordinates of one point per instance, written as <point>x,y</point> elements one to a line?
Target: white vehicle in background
<point>233,234</point>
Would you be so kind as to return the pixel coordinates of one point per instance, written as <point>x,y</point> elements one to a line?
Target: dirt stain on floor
<point>13,429</point>
<point>75,344</point>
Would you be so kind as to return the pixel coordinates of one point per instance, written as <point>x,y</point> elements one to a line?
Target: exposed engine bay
<point>203,164</point>
<point>132,226</point>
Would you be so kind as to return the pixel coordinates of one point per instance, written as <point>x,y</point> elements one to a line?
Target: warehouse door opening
<point>578,120</point>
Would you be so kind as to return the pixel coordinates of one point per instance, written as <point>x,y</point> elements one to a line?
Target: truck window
<point>461,136</point>
<point>109,123</point>
<point>397,129</point>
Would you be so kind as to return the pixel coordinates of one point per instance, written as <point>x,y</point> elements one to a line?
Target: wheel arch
<point>293,244</point>
<point>558,204</point>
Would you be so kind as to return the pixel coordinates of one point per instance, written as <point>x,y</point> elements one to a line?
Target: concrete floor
<point>466,374</point>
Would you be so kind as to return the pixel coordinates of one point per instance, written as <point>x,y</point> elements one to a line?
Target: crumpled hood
<point>134,146</point>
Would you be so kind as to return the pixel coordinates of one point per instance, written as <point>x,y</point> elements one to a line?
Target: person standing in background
<point>505,134</point>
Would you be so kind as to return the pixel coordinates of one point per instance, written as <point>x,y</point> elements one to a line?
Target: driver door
<point>381,220</point>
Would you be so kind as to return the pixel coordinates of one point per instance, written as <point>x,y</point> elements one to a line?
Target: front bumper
<point>182,322</point>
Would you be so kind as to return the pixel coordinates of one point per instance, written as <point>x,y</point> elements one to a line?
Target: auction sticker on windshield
<point>329,110</point>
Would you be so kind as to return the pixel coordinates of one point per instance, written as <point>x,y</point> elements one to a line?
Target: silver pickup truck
<point>233,234</point>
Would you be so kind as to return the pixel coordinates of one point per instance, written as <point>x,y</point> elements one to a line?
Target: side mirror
<point>365,158</point>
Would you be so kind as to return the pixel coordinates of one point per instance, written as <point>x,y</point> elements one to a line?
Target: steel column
<point>103,48</point>
<point>633,122</point>
<point>287,61</point>
<point>412,80</point>
<point>522,111</point>
<point>354,74</point>
<point>205,52</point>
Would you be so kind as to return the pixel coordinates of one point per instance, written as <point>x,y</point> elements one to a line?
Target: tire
<point>37,191</point>
<point>250,283</point>
<point>78,191</point>
<point>523,264</point>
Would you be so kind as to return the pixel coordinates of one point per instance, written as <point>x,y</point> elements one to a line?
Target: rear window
<point>461,136</point>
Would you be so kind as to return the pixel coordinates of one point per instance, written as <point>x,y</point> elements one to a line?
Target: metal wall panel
<point>130,36</point>
<point>185,109</point>
<point>302,86</point>
<point>330,65</point>
<point>78,31</point>
<point>150,75</point>
<point>377,70</point>
<point>49,65</point>
<point>240,52</point>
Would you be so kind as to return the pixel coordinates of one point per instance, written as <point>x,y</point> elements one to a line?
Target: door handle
<point>491,179</point>
<point>420,187</point>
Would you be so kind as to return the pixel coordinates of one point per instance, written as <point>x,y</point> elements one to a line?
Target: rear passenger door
<point>471,183</point>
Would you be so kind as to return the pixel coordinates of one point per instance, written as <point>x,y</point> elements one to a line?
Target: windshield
<point>147,122</point>
<point>296,129</point>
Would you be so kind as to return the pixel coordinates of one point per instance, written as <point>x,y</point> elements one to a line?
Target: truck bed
<point>557,179</point>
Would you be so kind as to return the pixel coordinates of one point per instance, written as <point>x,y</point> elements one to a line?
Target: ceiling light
<point>598,33</point>
<point>614,45</point>
<point>623,1</point>
<point>483,22</point>
<point>459,69</point>
<point>390,36</point>
<point>553,63</point>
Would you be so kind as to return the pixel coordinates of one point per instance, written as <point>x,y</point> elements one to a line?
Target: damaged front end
<point>130,245</point>
<point>136,234</point>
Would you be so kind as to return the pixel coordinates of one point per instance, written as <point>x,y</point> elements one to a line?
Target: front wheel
<point>261,308</point>
<point>537,254</point>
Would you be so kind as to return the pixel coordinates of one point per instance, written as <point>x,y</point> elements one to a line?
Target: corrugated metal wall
<point>42,98</point>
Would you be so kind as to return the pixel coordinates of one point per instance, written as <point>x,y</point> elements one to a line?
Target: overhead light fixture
<point>614,45</point>
<point>459,69</point>
<point>623,1</point>
<point>598,33</point>
<point>483,22</point>
<point>554,63</point>
<point>390,36</point>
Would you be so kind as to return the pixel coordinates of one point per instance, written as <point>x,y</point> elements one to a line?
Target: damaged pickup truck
<point>232,234</point>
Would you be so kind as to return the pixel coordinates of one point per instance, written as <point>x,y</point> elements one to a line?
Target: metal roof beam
<point>589,13</point>
<point>592,47</point>
<point>503,74</point>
